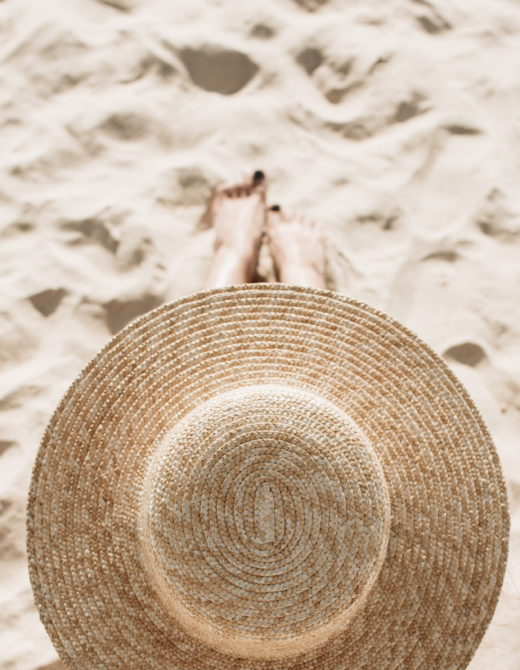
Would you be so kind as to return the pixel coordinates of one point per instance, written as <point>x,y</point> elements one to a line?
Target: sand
<point>395,123</point>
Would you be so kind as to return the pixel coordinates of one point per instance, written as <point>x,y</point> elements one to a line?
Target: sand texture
<point>395,122</point>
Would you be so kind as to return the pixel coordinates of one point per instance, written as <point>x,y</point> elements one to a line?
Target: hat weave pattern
<point>266,520</point>
<point>199,429</point>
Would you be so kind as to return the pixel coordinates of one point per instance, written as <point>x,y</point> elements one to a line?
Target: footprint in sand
<point>95,229</point>
<point>119,313</point>
<point>48,301</point>
<point>310,59</point>
<point>126,126</point>
<point>11,463</point>
<point>219,70</point>
<point>311,5</point>
<point>430,19</point>
<point>262,31</point>
<point>185,186</point>
<point>498,218</point>
<point>467,353</point>
<point>122,5</point>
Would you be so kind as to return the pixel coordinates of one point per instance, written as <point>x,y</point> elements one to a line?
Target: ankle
<point>302,275</point>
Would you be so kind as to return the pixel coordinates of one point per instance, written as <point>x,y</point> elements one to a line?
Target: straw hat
<point>266,477</point>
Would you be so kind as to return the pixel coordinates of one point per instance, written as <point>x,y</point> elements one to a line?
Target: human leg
<point>238,216</point>
<point>297,246</point>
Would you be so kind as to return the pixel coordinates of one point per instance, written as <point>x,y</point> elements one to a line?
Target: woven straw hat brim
<point>445,559</point>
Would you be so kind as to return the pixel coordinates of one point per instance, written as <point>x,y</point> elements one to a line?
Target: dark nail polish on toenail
<point>258,176</point>
<point>275,208</point>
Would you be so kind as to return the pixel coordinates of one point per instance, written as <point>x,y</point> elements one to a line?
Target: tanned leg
<point>238,215</point>
<point>297,246</point>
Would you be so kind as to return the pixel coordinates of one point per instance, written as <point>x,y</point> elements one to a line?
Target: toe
<point>252,182</point>
<point>220,189</point>
<point>258,182</point>
<point>258,177</point>
<point>288,215</point>
<point>245,189</point>
<point>236,190</point>
<point>245,184</point>
<point>274,216</point>
<point>227,189</point>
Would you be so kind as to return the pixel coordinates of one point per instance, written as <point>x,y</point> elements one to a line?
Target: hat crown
<point>265,521</point>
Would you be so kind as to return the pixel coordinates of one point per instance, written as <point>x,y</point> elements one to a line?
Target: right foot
<point>238,216</point>
<point>297,246</point>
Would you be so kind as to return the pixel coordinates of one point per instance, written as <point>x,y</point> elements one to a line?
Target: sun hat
<point>266,477</point>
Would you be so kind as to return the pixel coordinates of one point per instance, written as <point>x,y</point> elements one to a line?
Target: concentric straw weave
<point>266,477</point>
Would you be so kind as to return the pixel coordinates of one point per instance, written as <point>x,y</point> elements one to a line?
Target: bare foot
<point>238,215</point>
<point>297,246</point>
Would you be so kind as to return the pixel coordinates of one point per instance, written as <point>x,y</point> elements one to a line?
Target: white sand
<point>396,122</point>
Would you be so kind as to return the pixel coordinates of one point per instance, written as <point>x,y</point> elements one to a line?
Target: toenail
<point>275,208</point>
<point>258,176</point>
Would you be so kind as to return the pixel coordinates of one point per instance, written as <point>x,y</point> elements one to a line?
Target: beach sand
<point>395,123</point>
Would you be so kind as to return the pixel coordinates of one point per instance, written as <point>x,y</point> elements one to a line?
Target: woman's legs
<point>239,214</point>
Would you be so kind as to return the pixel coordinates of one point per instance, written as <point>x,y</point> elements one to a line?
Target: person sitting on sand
<point>239,212</point>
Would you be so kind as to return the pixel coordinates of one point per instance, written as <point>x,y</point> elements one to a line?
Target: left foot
<point>297,246</point>
<point>238,215</point>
